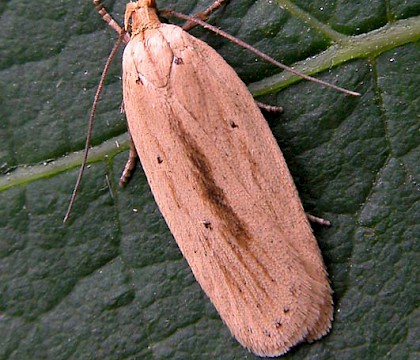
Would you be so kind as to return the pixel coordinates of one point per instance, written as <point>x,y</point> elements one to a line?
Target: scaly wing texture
<point>224,189</point>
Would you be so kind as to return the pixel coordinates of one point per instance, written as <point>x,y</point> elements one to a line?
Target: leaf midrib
<point>348,48</point>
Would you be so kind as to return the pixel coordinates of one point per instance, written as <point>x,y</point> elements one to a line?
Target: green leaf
<point>112,284</point>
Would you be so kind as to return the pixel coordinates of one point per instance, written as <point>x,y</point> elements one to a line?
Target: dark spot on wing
<point>178,61</point>
<point>207,224</point>
<point>266,333</point>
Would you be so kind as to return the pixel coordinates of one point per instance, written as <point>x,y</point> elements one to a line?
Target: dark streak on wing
<point>251,298</point>
<point>214,194</point>
<point>236,228</point>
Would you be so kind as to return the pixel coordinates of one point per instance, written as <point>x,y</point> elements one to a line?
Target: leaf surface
<point>112,284</point>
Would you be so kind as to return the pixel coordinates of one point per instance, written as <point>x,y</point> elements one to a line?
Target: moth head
<point>141,15</point>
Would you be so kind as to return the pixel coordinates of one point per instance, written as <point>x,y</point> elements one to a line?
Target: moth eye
<point>159,160</point>
<point>178,61</point>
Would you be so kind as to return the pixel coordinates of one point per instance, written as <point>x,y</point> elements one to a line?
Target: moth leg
<point>317,220</point>
<point>204,15</point>
<point>269,108</point>
<point>130,165</point>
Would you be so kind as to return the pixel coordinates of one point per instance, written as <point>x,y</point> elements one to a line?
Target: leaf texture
<point>112,284</point>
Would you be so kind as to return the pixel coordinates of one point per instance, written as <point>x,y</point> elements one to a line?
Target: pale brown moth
<point>222,185</point>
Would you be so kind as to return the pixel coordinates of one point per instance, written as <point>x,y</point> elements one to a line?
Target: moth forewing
<point>223,187</point>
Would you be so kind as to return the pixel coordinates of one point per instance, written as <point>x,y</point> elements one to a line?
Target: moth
<point>222,185</point>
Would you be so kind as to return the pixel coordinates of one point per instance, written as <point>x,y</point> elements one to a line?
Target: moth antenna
<point>256,51</point>
<point>91,121</point>
<point>203,15</point>
<point>269,108</point>
<point>110,20</point>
